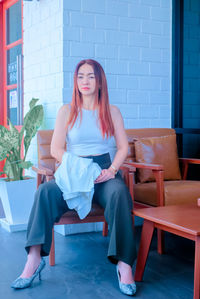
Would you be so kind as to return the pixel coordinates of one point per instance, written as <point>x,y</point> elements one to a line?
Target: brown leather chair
<point>45,171</point>
<point>158,180</point>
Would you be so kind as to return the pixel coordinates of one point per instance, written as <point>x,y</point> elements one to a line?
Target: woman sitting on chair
<point>87,124</point>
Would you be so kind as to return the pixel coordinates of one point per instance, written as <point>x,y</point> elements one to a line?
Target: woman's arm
<point>122,146</point>
<point>120,138</point>
<point>58,142</point>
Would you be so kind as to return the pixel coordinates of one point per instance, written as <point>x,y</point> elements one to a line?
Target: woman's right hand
<point>105,175</point>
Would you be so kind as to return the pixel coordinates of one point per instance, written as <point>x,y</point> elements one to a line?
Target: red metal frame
<point>1,63</point>
<point>5,4</point>
<point>1,72</point>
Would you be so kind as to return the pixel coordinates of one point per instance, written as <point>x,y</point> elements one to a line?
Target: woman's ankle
<point>30,267</point>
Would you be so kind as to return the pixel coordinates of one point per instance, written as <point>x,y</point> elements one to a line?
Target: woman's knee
<point>46,191</point>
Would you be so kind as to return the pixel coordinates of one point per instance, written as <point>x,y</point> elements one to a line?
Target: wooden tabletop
<point>184,218</point>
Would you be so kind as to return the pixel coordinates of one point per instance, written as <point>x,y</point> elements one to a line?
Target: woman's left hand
<point>105,175</point>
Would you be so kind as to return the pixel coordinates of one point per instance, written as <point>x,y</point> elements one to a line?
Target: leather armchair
<point>159,190</point>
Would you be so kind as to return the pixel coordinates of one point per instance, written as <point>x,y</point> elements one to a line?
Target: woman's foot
<point>22,283</point>
<point>125,272</point>
<point>34,265</point>
<point>125,278</point>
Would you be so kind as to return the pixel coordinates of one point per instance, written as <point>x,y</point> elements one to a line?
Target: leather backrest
<point>135,134</point>
<point>44,142</point>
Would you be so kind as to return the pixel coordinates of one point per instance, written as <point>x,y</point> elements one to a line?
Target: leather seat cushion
<point>176,192</point>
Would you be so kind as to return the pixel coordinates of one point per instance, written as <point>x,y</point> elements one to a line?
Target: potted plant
<point>17,190</point>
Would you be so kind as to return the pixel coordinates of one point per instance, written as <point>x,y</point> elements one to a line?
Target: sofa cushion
<point>158,150</point>
<point>175,192</point>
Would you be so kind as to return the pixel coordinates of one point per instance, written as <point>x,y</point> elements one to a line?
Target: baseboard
<point>12,227</point>
<point>77,228</point>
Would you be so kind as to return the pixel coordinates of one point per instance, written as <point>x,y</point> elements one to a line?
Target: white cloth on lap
<point>75,177</point>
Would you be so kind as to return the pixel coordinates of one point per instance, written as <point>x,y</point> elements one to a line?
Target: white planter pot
<point>17,200</point>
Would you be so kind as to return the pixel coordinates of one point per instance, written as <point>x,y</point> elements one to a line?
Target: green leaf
<point>5,142</point>
<point>3,153</point>
<point>25,164</point>
<point>4,133</point>
<point>33,102</point>
<point>33,121</point>
<point>11,141</point>
<point>14,135</point>
<point>8,169</point>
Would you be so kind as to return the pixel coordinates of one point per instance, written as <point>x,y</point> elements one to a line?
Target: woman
<point>87,124</point>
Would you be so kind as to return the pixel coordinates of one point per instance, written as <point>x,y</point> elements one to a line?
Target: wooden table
<point>181,220</point>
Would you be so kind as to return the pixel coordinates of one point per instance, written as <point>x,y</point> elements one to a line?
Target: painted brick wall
<point>132,41</point>
<point>43,60</point>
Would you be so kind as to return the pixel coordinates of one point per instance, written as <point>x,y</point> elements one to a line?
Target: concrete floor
<point>82,270</point>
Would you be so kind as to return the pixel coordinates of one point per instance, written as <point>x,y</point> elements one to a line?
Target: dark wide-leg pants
<point>112,195</point>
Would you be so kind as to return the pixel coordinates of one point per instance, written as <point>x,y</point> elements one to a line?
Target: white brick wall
<point>43,59</point>
<point>132,41</point>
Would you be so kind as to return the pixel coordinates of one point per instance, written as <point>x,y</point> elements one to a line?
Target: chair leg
<point>160,241</point>
<point>52,251</point>
<point>105,229</point>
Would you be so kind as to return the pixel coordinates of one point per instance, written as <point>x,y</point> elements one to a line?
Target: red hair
<point>101,99</point>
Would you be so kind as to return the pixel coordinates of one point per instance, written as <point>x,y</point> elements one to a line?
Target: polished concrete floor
<point>82,270</point>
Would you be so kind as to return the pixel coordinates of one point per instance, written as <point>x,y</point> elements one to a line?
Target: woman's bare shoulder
<point>63,114</point>
<point>114,110</point>
<point>65,108</point>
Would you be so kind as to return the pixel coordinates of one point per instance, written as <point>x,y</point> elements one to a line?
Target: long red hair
<point>101,99</point>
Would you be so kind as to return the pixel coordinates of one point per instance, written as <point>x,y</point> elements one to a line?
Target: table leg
<point>160,241</point>
<point>197,269</point>
<point>145,242</point>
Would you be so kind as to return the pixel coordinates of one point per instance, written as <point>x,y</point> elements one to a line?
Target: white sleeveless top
<point>85,138</point>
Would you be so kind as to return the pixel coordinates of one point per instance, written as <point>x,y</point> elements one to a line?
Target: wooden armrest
<point>43,170</point>
<point>156,167</point>
<point>189,160</point>
<point>125,166</point>
<point>185,164</point>
<point>158,171</point>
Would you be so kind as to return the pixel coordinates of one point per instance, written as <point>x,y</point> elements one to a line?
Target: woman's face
<point>86,80</point>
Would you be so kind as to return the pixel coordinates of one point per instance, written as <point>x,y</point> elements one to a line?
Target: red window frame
<point>5,4</point>
<point>3,100</point>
